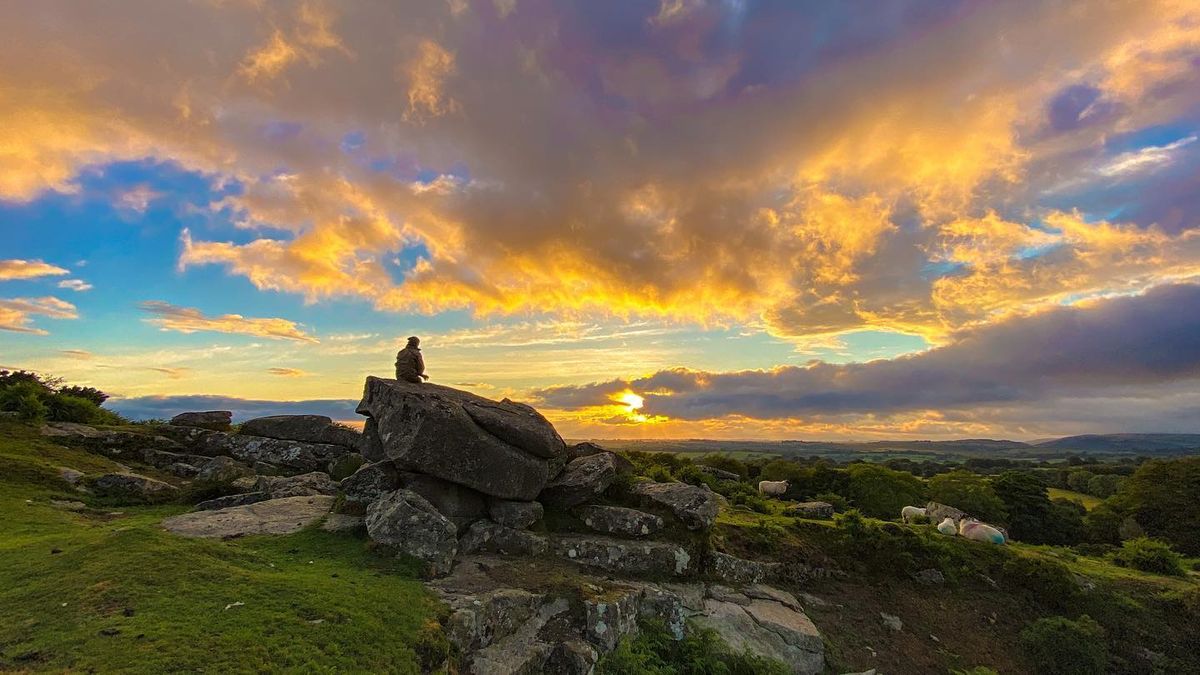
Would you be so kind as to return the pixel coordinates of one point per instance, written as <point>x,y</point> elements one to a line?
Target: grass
<point>108,590</point>
<point>1087,501</point>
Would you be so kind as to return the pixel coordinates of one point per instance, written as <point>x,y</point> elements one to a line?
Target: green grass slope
<point>107,590</point>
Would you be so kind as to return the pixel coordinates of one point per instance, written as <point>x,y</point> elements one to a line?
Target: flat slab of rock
<point>619,520</point>
<point>734,570</point>
<point>274,516</point>
<point>304,485</point>
<point>231,500</point>
<point>115,443</point>
<point>222,469</point>
<point>216,420</point>
<point>818,510</point>
<point>634,558</point>
<point>306,428</point>
<point>499,448</point>
<point>695,507</point>
<point>485,536</point>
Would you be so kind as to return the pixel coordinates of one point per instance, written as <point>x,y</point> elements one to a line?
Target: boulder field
<point>492,501</point>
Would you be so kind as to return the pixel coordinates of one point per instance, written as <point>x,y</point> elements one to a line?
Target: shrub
<point>967,491</point>
<point>1047,582</point>
<point>1149,555</point>
<point>90,393</point>
<point>751,501</point>
<point>880,492</point>
<point>1161,496</point>
<point>24,398</point>
<point>726,463</point>
<point>839,502</point>
<point>1059,646</point>
<point>655,652</point>
<point>71,409</point>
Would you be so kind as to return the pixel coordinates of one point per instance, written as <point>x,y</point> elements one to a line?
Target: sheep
<point>772,488</point>
<point>976,531</point>
<point>947,527</point>
<point>908,513</point>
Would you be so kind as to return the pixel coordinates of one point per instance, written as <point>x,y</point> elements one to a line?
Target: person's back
<point>410,366</point>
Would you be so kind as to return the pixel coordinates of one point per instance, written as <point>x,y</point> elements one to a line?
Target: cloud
<point>173,373</point>
<point>80,354</point>
<point>288,372</point>
<point>28,269</point>
<point>16,314</point>
<point>77,285</point>
<point>797,168</point>
<point>190,320</point>
<point>165,407</point>
<point>1100,349</point>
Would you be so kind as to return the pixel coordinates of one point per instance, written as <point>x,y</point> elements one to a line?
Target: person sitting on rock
<point>410,367</point>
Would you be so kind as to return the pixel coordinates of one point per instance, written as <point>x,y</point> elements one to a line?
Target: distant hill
<point>1124,443</point>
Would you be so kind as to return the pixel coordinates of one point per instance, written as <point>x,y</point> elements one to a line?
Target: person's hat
<point>413,339</point>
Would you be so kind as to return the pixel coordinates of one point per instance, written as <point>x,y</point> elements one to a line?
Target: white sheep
<point>908,513</point>
<point>947,527</point>
<point>772,488</point>
<point>976,531</point>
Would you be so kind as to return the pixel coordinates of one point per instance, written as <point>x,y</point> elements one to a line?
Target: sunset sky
<point>670,218</point>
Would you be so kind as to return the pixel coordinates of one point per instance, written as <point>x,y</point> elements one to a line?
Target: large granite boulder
<point>371,482</point>
<point>581,480</point>
<point>294,456</point>
<point>501,449</point>
<point>637,558</point>
<point>695,507</point>
<point>408,523</point>
<point>461,505</point>
<point>816,510</point>
<point>273,516</point>
<point>131,487</point>
<point>938,512</point>
<point>216,420</point>
<point>619,520</point>
<point>306,428</point>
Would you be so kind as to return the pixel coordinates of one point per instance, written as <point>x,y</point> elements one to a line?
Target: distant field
<point>1089,502</point>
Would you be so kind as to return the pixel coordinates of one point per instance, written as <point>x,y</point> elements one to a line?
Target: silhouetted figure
<point>410,367</point>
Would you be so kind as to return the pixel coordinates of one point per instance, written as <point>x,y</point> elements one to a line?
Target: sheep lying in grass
<point>947,527</point>
<point>772,488</point>
<point>976,531</point>
<point>909,513</point>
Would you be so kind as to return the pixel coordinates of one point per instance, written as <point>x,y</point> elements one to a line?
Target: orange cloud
<point>190,320</point>
<point>16,314</point>
<point>28,269</point>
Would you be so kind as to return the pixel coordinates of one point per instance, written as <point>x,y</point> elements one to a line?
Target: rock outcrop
<point>619,520</point>
<point>273,516</point>
<point>305,428</point>
<point>131,487</point>
<point>817,510</point>
<point>519,515</point>
<point>766,627</point>
<point>938,512</point>
<point>695,507</point>
<point>216,420</point>
<point>221,469</point>
<point>581,480</point>
<point>460,504</point>
<point>407,522</point>
<point>295,456</point>
<point>501,449</point>
<point>485,536</point>
<point>370,482</point>
<point>635,558</point>
<point>304,485</point>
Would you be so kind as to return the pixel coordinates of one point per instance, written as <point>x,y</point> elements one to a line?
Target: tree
<point>880,492</point>
<point>1104,485</point>
<point>1163,496</point>
<point>1078,480</point>
<point>1026,503</point>
<point>969,492</point>
<point>90,393</point>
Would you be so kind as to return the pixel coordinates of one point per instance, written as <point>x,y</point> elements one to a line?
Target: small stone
<point>892,621</point>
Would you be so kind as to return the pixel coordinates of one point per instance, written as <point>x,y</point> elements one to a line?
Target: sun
<point>632,400</point>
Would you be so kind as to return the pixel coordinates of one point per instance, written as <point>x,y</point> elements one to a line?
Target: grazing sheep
<point>976,531</point>
<point>772,488</point>
<point>909,512</point>
<point>947,527</point>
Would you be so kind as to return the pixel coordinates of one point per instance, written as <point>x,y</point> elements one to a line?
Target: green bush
<point>1161,496</point>
<point>655,652</point>
<point>1149,555</point>
<point>71,409</point>
<point>24,398</point>
<point>969,492</point>
<point>726,463</point>
<point>1047,582</point>
<point>1059,646</point>
<point>880,492</point>
<point>840,505</point>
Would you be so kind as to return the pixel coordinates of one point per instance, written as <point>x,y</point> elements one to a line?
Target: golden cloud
<point>16,314</point>
<point>190,320</point>
<point>28,269</point>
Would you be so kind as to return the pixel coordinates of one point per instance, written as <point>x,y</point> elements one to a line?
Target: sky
<point>650,219</point>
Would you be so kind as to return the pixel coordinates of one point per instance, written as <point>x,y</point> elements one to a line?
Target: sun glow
<point>632,400</point>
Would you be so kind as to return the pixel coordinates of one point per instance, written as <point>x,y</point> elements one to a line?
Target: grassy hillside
<point>104,589</point>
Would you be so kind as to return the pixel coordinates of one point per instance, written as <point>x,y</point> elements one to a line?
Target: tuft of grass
<point>103,591</point>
